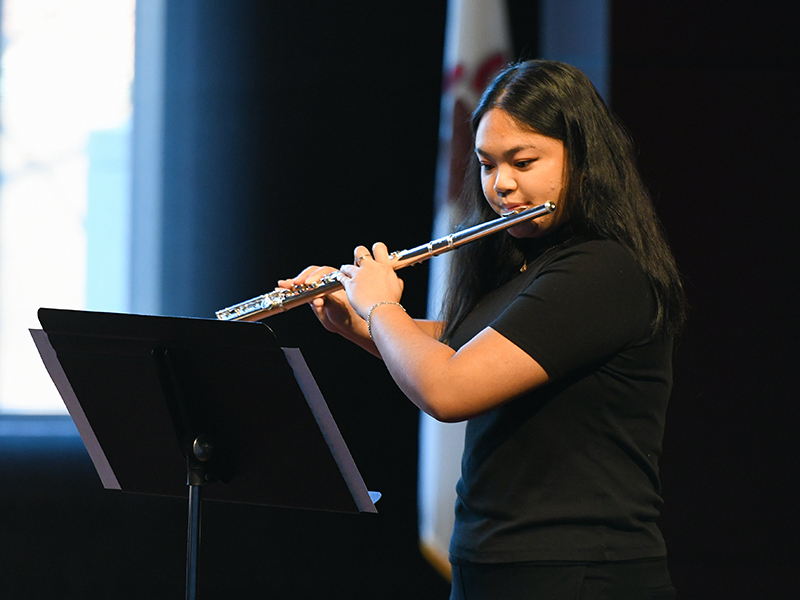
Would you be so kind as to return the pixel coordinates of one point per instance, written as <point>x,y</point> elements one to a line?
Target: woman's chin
<point>525,230</point>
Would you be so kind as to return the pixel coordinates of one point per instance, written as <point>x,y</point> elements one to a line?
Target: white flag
<point>477,46</point>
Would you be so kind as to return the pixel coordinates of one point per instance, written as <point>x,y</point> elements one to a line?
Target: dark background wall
<point>293,132</point>
<point>709,92</point>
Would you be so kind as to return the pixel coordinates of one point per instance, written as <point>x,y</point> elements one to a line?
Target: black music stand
<point>165,402</point>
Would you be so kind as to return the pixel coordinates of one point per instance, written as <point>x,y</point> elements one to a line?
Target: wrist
<point>373,307</point>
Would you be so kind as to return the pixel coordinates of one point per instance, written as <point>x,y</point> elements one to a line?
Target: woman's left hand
<point>370,279</point>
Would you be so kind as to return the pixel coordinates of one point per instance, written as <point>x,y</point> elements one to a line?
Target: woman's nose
<point>504,182</point>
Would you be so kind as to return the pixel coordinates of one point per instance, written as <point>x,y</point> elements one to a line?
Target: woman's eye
<point>486,167</point>
<point>521,164</point>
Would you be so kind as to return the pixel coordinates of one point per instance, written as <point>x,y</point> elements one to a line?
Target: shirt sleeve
<point>585,305</point>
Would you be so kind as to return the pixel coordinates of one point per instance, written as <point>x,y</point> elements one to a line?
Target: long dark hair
<point>604,195</point>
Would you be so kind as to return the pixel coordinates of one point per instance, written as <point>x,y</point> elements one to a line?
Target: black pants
<point>623,580</point>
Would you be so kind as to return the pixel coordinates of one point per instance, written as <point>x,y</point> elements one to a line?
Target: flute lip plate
<point>517,210</point>
<point>511,213</point>
<point>550,206</point>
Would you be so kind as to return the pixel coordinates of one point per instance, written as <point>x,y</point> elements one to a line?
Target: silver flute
<point>281,300</point>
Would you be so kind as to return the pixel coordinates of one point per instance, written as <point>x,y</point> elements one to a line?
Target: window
<point>65,113</point>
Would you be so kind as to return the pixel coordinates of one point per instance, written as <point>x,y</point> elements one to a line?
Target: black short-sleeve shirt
<point>569,471</point>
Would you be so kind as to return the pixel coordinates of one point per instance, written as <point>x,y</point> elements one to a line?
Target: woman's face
<point>520,169</point>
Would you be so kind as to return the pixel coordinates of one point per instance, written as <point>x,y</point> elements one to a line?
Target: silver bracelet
<point>373,307</point>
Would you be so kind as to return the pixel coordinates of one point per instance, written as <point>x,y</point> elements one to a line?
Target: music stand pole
<point>197,449</point>
<point>193,542</point>
<point>195,478</point>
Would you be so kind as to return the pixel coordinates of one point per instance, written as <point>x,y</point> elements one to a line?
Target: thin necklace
<point>524,266</point>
